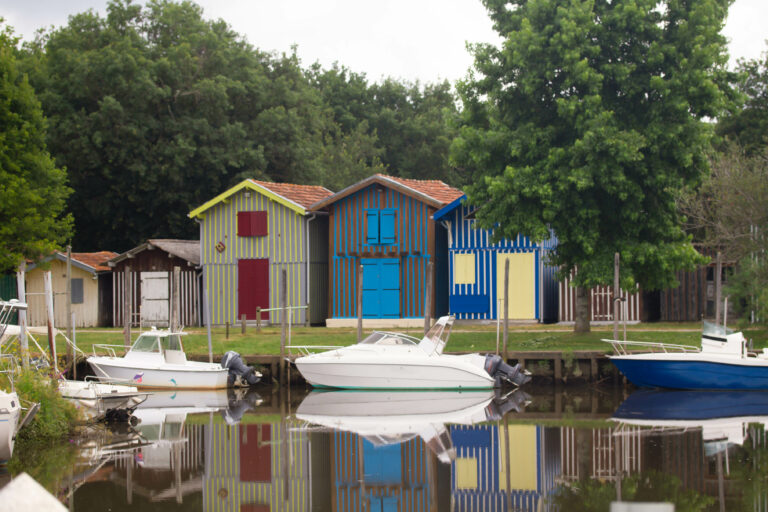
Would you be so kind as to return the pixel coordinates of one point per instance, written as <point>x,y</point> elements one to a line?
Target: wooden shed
<point>91,289</point>
<point>600,304</point>
<point>249,234</point>
<point>151,271</point>
<point>476,270</point>
<point>385,224</point>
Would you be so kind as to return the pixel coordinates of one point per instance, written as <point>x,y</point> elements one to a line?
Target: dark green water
<point>548,449</point>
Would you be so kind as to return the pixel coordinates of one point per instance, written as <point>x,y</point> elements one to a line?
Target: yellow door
<point>522,282</point>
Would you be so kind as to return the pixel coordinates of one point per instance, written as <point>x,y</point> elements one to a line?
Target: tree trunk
<point>581,309</point>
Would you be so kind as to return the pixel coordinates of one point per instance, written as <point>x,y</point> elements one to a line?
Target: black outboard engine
<point>501,371</point>
<point>240,374</point>
<point>515,400</point>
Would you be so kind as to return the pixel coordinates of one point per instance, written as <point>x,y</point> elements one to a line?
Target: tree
<point>589,120</point>
<point>33,190</point>
<point>748,124</point>
<point>729,214</point>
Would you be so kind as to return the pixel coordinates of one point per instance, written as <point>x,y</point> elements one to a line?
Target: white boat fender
<point>501,371</point>
<point>240,374</point>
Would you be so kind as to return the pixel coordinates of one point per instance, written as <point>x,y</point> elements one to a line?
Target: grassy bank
<point>480,338</point>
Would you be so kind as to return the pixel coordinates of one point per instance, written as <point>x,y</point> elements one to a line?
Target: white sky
<point>409,39</point>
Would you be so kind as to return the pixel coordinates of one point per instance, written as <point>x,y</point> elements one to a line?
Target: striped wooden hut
<point>248,235</point>
<point>385,224</point>
<point>476,270</point>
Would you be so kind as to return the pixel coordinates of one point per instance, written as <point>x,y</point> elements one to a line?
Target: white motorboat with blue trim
<point>722,362</point>
<point>157,360</point>
<point>387,360</point>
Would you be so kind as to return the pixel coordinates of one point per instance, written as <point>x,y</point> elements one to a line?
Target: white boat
<point>386,360</point>
<point>157,360</point>
<point>722,362</point>
<point>96,399</point>
<point>10,410</point>
<point>391,417</point>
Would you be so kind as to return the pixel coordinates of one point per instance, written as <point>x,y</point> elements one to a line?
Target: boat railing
<point>109,349</point>
<point>9,367</point>
<point>305,350</point>
<point>623,348</point>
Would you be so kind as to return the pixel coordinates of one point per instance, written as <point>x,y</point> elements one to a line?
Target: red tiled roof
<point>94,259</point>
<point>435,189</point>
<point>304,195</point>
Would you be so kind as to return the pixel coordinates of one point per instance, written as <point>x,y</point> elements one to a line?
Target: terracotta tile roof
<point>435,189</point>
<point>93,259</point>
<point>304,195</point>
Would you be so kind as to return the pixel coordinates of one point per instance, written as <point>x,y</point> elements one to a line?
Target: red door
<point>252,287</point>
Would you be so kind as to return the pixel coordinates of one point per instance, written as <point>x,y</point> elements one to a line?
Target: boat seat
<point>175,357</point>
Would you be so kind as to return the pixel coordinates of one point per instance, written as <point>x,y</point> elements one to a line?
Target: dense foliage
<point>747,123</point>
<point>154,109</point>
<point>589,120</point>
<point>33,188</point>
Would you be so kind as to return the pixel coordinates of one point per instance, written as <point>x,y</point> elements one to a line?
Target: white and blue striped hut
<point>476,270</point>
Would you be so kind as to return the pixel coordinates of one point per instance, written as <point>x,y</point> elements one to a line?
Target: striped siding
<point>223,472</point>
<point>414,246</point>
<point>284,246</point>
<point>465,239</point>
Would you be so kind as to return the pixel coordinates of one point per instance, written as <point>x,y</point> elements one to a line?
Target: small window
<point>77,290</point>
<point>252,223</point>
<point>464,269</point>
<point>146,343</point>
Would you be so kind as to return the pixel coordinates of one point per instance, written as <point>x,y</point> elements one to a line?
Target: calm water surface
<point>558,449</point>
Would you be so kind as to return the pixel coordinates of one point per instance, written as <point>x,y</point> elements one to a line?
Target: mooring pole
<point>616,296</point>
<point>718,287</point>
<point>127,306</point>
<point>69,303</point>
<point>21,289</point>
<point>176,298</point>
<point>283,320</point>
<point>506,307</point>
<point>359,303</point>
<point>48,286</point>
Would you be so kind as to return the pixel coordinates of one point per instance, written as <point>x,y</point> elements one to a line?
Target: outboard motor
<point>501,371</point>
<point>515,400</point>
<point>240,374</point>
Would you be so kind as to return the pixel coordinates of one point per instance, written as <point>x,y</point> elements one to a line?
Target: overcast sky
<point>408,39</point>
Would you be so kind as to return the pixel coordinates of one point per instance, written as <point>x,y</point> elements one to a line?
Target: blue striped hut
<point>476,270</point>
<point>384,223</point>
<point>248,235</point>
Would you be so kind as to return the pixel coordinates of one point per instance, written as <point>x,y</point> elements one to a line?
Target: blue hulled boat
<point>722,362</point>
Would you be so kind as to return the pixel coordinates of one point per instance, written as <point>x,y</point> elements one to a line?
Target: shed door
<point>154,298</point>
<point>381,288</point>
<point>252,287</point>
<point>522,290</point>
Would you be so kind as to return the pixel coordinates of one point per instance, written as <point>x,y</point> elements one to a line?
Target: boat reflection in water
<point>161,457</point>
<point>394,417</point>
<point>722,417</point>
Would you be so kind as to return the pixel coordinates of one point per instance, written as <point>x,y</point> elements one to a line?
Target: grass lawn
<point>472,338</point>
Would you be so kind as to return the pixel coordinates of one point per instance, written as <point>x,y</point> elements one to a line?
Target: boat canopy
<point>388,338</point>
<point>434,341</point>
<point>715,329</point>
<point>157,341</point>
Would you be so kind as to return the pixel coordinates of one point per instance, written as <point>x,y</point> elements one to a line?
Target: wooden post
<point>283,325</point>
<point>207,312</point>
<point>176,298</point>
<point>718,287</point>
<point>49,314</point>
<point>359,303</point>
<point>226,335</point>
<point>258,319</point>
<point>616,296</point>
<point>21,289</point>
<point>74,347</point>
<point>68,303</point>
<point>127,306</point>
<point>506,307</point>
<point>428,299</point>
<point>242,322</point>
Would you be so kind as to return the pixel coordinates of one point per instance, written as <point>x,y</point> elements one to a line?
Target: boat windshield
<point>387,338</point>
<point>153,342</point>
<point>714,329</point>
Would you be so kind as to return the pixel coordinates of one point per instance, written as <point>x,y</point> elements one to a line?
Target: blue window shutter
<point>372,224</point>
<point>388,227</point>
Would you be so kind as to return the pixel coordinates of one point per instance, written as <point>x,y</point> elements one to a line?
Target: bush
<point>56,418</point>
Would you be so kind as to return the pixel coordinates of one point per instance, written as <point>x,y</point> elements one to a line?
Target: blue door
<point>381,287</point>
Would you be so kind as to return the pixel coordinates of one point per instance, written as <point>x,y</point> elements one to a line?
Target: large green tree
<point>33,190</point>
<point>588,120</point>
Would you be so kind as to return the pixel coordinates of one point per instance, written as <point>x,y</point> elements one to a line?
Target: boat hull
<point>392,375</point>
<point>693,373</point>
<point>663,405</point>
<point>160,378</point>
<point>10,410</point>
